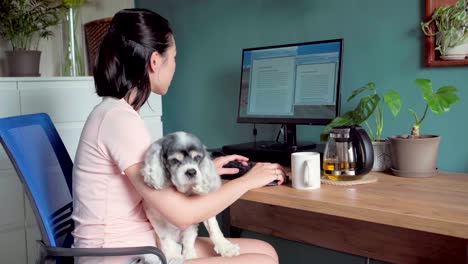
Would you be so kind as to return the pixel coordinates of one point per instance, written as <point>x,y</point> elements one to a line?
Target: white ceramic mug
<point>305,170</point>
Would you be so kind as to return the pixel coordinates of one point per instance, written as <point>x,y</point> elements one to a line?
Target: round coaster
<point>368,178</point>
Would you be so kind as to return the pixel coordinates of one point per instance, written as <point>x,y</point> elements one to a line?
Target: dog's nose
<point>190,173</point>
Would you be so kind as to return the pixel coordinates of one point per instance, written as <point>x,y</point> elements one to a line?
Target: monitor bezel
<point>305,121</point>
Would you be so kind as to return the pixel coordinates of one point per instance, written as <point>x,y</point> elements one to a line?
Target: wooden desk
<point>399,220</point>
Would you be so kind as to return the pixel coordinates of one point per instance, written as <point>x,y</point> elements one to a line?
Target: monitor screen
<point>291,84</point>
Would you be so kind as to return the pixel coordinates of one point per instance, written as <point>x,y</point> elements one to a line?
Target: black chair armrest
<point>101,252</point>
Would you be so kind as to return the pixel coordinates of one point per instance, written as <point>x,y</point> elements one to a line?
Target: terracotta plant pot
<point>23,62</point>
<point>415,157</point>
<point>382,155</point>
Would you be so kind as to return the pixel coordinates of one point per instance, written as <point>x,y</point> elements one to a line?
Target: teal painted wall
<point>382,43</point>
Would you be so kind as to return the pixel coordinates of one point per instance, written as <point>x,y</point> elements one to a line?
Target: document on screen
<point>272,86</point>
<point>315,84</point>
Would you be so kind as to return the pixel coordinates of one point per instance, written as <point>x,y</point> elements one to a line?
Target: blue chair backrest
<point>45,169</point>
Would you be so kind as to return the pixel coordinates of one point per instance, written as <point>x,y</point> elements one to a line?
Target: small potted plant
<point>23,23</point>
<point>449,25</point>
<point>370,104</point>
<point>415,155</point>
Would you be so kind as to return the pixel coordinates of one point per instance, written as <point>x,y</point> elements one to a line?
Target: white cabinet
<point>68,101</point>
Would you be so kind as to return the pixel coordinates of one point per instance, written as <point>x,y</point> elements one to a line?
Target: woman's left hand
<point>223,160</point>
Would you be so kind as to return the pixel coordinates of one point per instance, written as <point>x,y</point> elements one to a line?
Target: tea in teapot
<point>348,155</point>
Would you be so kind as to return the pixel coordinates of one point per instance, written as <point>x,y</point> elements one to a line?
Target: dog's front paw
<point>175,258</point>
<point>146,259</point>
<point>190,254</point>
<point>227,249</point>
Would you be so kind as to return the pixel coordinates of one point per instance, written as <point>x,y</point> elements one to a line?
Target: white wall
<point>51,57</point>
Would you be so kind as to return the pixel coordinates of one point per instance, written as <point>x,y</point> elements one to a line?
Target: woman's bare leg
<point>251,251</point>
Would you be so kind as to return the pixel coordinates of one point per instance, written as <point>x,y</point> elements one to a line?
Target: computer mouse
<point>273,183</point>
<point>243,169</point>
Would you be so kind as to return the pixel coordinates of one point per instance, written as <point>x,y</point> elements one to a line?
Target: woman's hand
<point>262,174</point>
<point>223,160</point>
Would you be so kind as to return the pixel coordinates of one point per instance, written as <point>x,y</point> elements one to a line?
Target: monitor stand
<point>271,151</point>
<point>289,140</point>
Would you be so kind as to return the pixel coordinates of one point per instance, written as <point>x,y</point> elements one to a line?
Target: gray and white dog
<point>181,160</point>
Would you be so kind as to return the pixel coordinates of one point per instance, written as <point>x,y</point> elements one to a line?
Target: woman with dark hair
<point>137,57</point>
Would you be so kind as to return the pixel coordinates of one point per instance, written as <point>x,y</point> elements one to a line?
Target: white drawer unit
<point>15,218</point>
<point>64,101</point>
<point>68,101</point>
<point>9,99</point>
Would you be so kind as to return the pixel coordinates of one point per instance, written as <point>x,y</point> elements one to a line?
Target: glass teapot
<point>348,155</point>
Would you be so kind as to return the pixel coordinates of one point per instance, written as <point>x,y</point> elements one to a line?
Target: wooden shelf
<point>432,57</point>
<point>441,63</point>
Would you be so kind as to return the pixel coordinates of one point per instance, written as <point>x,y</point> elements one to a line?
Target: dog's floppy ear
<point>209,173</point>
<point>153,171</point>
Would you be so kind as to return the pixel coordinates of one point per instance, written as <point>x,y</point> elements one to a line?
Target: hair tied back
<point>116,32</point>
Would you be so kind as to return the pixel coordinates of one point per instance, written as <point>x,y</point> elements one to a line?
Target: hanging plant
<point>451,26</point>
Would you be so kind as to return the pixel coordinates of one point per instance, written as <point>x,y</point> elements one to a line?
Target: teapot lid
<point>340,132</point>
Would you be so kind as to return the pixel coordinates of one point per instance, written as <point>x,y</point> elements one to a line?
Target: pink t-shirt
<point>108,210</point>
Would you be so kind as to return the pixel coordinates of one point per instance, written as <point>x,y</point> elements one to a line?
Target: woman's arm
<point>183,211</point>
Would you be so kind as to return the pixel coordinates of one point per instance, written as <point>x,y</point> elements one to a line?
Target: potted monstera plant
<point>370,104</point>
<point>23,23</point>
<point>415,155</point>
<point>449,25</point>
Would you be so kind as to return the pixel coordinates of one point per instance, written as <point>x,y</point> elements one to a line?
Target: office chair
<point>45,170</point>
<point>94,32</point>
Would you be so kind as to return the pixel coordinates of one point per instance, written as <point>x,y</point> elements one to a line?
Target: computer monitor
<point>291,84</point>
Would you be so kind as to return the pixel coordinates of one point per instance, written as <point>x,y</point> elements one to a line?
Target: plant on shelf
<point>370,104</point>
<point>451,28</point>
<point>23,23</point>
<point>415,155</point>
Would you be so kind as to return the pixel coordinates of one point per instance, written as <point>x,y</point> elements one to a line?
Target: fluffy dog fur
<point>181,160</point>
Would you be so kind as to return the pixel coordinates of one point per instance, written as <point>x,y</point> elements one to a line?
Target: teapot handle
<point>365,151</point>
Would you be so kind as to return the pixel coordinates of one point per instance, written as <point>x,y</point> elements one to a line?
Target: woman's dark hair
<point>125,52</point>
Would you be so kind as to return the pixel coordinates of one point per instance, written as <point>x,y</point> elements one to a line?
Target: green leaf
<point>393,100</point>
<point>368,87</point>
<point>365,108</point>
<point>441,101</point>
<point>344,120</point>
<point>426,86</point>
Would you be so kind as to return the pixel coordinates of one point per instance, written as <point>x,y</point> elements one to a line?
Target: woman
<point>137,57</point>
